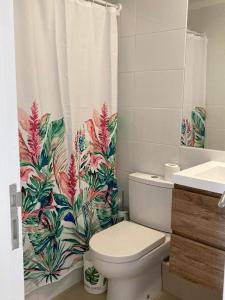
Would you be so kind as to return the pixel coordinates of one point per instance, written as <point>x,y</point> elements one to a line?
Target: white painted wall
<point>151,76</point>
<point>11,278</point>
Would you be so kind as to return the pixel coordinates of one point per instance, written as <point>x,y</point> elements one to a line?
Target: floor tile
<point>78,292</point>
<point>165,296</point>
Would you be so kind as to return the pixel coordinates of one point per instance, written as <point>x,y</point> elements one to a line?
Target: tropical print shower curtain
<point>66,55</point>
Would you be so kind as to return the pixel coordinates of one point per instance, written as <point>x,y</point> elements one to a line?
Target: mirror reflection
<point>203,124</point>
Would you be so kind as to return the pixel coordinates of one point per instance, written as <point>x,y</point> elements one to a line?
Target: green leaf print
<point>68,194</point>
<point>92,276</point>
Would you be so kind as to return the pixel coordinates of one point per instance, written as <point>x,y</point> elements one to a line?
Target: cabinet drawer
<point>196,262</point>
<point>198,217</point>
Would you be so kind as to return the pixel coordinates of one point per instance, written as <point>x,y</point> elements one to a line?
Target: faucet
<point>221,203</point>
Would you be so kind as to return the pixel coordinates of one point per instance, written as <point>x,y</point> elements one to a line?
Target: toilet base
<point>143,287</point>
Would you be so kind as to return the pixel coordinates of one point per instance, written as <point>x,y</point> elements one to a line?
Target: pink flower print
<point>23,119</point>
<point>72,178</point>
<point>24,173</point>
<point>34,141</point>
<point>94,162</point>
<point>103,131</point>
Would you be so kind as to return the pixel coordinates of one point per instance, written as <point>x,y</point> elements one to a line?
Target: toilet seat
<point>125,242</point>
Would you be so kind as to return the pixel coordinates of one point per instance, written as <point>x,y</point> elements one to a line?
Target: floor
<point>78,292</point>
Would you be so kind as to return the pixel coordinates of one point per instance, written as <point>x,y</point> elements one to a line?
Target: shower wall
<point>151,77</point>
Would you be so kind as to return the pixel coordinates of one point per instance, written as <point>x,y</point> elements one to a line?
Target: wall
<point>211,20</point>
<point>151,74</point>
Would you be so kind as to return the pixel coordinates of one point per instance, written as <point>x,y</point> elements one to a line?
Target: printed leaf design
<point>45,267</point>
<point>61,200</point>
<point>66,198</point>
<point>55,134</point>
<point>198,123</point>
<point>48,234</point>
<point>44,125</point>
<point>193,130</point>
<point>92,275</point>
<point>25,154</point>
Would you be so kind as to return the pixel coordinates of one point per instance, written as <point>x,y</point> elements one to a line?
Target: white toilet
<point>129,254</point>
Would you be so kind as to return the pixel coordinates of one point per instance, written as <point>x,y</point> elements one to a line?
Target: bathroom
<point>69,69</point>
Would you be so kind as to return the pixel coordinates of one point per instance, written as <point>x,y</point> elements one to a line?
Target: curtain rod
<point>106,4</point>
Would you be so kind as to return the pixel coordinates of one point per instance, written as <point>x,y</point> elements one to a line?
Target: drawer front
<point>198,217</point>
<point>196,262</point>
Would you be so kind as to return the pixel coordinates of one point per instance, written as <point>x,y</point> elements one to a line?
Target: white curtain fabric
<point>195,73</point>
<point>66,55</point>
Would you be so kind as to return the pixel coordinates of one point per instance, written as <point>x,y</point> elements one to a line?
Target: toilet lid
<point>125,242</point>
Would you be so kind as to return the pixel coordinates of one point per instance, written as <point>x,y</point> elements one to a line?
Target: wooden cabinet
<point>198,239</point>
<point>197,262</point>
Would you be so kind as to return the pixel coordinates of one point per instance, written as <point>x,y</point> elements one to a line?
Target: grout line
<point>152,70</point>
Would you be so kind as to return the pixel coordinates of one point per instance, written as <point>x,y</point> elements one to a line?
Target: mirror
<point>203,123</point>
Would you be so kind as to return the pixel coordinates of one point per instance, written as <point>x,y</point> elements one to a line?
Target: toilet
<point>130,253</point>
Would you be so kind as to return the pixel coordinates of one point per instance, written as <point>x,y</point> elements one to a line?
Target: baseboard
<point>52,290</point>
<point>184,289</point>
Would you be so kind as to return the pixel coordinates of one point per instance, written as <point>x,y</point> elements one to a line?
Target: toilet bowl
<point>131,260</point>
<point>130,253</point>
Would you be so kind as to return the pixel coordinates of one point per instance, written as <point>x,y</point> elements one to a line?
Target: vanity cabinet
<point>198,239</point>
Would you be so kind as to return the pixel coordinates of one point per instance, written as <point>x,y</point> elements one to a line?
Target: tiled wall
<point>151,74</point>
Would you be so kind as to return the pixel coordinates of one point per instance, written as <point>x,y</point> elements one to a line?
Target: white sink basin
<point>209,176</point>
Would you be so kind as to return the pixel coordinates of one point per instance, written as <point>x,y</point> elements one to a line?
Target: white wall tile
<point>160,126</point>
<point>127,19</point>
<point>122,178</point>
<point>126,54</point>
<point>215,92</point>
<point>125,124</point>
<point>159,88</point>
<point>215,137</point>
<point>151,75</point>
<point>124,156</point>
<point>160,15</point>
<point>150,157</point>
<point>160,51</point>
<point>126,90</point>
<point>215,116</point>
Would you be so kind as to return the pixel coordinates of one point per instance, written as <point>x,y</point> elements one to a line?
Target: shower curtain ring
<point>106,4</point>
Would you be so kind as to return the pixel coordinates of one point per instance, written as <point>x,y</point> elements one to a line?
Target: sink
<point>209,176</point>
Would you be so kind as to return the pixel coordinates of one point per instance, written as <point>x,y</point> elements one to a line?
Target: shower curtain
<point>66,53</point>
<point>194,107</point>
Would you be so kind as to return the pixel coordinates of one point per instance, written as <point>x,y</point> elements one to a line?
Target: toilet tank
<point>150,201</point>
